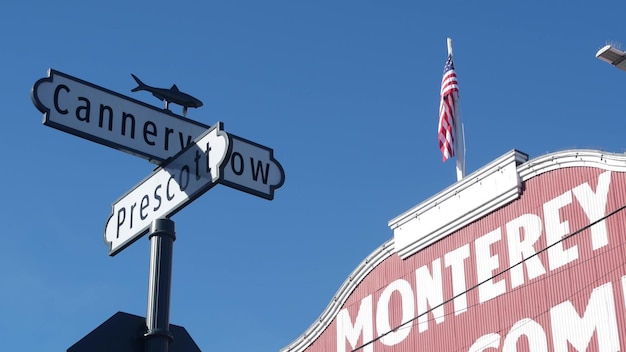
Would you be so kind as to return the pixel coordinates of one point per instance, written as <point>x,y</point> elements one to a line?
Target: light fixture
<point>613,56</point>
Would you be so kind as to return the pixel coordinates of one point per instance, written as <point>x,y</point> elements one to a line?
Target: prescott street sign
<point>214,157</point>
<point>168,189</point>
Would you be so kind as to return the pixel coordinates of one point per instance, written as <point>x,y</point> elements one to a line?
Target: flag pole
<point>459,134</point>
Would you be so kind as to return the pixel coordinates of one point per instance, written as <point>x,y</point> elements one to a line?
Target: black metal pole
<point>162,236</point>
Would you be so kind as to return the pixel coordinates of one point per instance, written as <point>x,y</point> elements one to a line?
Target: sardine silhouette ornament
<point>171,95</point>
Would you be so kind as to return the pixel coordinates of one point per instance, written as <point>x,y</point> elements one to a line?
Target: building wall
<point>544,272</point>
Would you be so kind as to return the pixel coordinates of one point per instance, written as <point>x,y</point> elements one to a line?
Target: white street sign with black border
<point>89,111</point>
<point>168,189</point>
<point>252,168</point>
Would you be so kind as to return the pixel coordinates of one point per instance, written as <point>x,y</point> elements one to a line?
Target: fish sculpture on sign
<point>171,95</point>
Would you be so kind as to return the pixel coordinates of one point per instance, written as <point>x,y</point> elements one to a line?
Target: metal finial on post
<point>162,236</point>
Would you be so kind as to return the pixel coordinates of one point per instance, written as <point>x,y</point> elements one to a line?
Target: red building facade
<point>519,256</point>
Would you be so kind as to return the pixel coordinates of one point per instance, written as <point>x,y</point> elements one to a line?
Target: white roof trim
<point>476,195</point>
<point>571,158</point>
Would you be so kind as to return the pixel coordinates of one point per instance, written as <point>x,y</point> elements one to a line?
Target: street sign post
<point>89,111</point>
<point>168,189</point>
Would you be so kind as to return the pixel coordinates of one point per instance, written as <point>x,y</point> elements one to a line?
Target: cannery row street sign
<point>252,168</point>
<point>86,110</point>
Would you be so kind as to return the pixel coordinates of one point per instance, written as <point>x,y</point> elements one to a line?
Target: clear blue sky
<point>346,93</point>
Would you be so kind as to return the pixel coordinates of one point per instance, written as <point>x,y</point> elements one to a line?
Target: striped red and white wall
<point>521,255</point>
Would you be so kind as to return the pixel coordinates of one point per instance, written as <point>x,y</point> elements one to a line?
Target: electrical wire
<point>403,325</point>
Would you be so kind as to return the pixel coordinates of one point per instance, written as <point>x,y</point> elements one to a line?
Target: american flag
<point>448,109</point>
